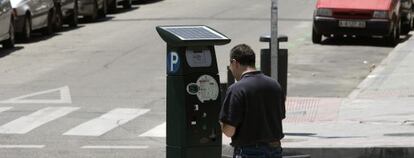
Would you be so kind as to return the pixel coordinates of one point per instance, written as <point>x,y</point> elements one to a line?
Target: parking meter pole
<point>274,44</point>
<point>193,91</point>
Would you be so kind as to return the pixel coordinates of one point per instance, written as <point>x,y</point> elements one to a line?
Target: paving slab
<point>375,120</point>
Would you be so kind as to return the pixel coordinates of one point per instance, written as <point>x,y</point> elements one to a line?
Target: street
<point>111,74</point>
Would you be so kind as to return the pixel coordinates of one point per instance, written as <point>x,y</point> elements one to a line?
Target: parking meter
<point>193,93</point>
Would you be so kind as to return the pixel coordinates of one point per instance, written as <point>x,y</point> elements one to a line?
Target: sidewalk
<point>375,121</point>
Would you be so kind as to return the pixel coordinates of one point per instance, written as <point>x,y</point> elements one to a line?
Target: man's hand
<point>228,130</point>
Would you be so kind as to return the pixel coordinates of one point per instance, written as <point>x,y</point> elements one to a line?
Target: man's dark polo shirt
<point>255,105</point>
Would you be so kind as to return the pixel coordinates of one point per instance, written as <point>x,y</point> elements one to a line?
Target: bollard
<point>265,61</point>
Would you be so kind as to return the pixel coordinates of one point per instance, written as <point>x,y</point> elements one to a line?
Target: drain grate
<point>300,109</point>
<point>394,93</point>
<point>399,134</point>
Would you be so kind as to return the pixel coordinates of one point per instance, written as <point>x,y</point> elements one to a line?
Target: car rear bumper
<point>374,27</point>
<point>85,7</point>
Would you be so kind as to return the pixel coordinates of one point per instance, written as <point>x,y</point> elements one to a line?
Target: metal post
<point>274,44</point>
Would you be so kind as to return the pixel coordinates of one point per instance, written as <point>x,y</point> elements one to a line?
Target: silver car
<point>112,4</point>
<point>6,24</point>
<point>33,15</point>
<point>66,12</point>
<point>91,9</point>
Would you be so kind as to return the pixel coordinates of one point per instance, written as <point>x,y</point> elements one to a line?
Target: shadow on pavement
<point>300,134</point>
<point>67,28</point>
<point>99,20</point>
<point>6,52</point>
<point>121,10</point>
<point>361,41</point>
<point>143,2</point>
<point>38,37</point>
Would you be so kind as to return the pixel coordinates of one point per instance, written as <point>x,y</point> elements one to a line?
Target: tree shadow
<point>5,52</point>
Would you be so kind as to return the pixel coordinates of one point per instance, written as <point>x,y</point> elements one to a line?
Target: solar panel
<point>195,33</point>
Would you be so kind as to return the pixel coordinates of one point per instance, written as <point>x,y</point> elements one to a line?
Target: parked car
<point>33,15</point>
<point>112,4</point>
<point>6,24</point>
<point>357,17</point>
<point>407,16</point>
<point>66,12</point>
<point>91,9</point>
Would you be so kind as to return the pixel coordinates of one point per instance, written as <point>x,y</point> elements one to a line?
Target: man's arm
<point>228,130</point>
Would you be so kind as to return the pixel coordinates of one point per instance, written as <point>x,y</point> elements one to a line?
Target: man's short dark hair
<point>243,54</point>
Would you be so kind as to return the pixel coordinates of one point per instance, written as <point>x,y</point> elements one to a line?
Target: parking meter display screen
<point>194,33</point>
<point>198,58</point>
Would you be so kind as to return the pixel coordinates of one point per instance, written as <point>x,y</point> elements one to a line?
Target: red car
<point>357,17</point>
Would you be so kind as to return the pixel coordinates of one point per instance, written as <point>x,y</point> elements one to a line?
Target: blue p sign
<point>173,62</point>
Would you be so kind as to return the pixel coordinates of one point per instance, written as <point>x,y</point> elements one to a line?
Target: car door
<point>36,8</point>
<point>4,17</point>
<point>40,13</point>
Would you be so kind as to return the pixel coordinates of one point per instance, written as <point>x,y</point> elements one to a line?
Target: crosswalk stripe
<point>159,131</point>
<point>106,122</point>
<point>114,147</point>
<point>27,123</point>
<point>3,109</point>
<point>21,146</point>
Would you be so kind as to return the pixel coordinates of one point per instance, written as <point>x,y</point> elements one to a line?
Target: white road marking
<point>21,146</point>
<point>106,122</point>
<point>27,123</point>
<point>65,97</point>
<point>114,147</point>
<point>371,76</point>
<point>159,131</point>
<point>3,109</point>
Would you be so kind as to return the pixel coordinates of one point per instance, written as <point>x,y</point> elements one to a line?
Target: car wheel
<point>127,4</point>
<point>27,29</point>
<point>73,18</point>
<point>316,37</point>
<point>48,30</point>
<point>405,29</point>
<point>394,37</point>
<point>58,18</point>
<point>94,13</point>
<point>406,25</point>
<point>112,6</point>
<point>9,43</point>
<point>104,9</point>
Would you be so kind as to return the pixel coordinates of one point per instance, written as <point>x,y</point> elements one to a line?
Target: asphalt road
<point>55,88</point>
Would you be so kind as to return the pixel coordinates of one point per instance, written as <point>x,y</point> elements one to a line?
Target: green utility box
<point>193,92</point>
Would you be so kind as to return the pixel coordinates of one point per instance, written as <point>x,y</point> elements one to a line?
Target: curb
<point>340,152</point>
<point>378,73</point>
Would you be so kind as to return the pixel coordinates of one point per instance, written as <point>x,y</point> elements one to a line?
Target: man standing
<point>253,109</point>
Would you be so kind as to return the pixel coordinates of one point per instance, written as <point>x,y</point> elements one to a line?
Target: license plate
<point>352,24</point>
